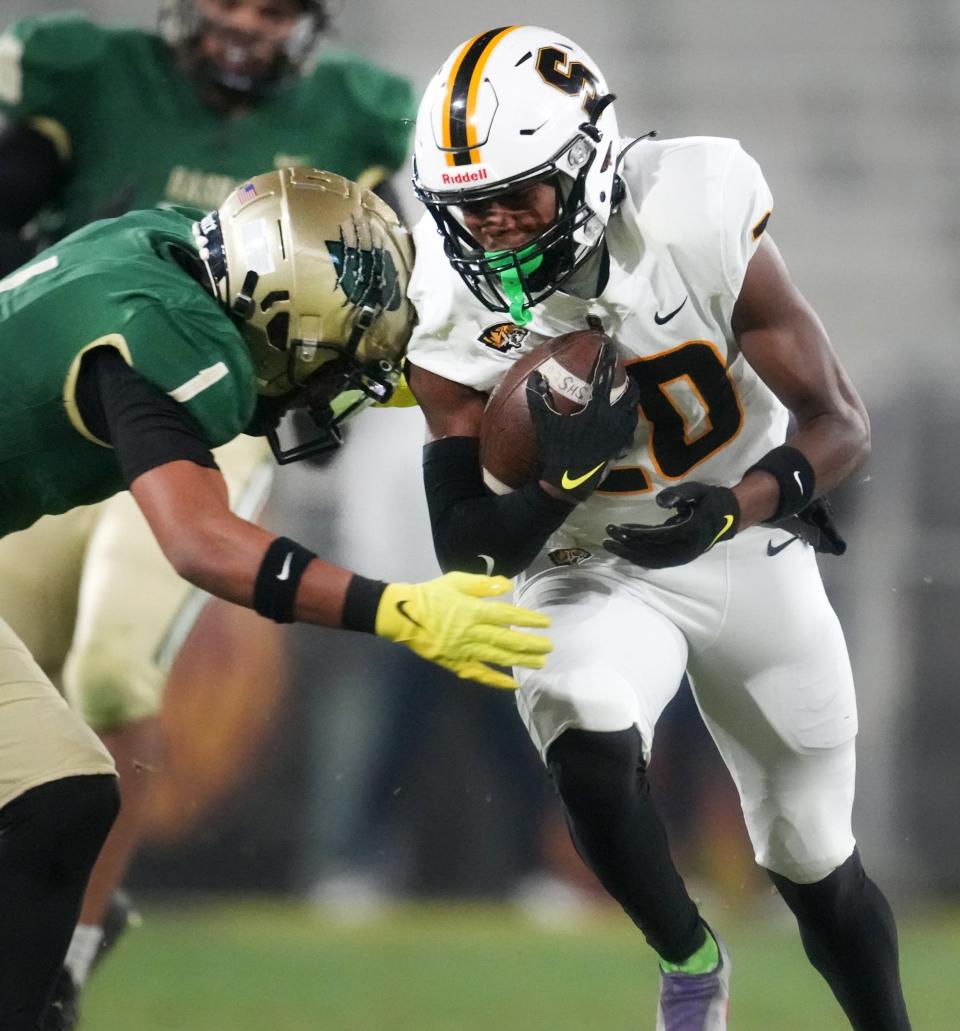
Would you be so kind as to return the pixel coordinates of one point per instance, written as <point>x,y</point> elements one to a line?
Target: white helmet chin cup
<point>510,106</point>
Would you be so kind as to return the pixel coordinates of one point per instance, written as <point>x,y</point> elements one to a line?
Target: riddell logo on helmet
<point>465,177</point>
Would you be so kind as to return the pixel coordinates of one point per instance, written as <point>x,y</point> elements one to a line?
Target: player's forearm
<point>188,511</point>
<point>225,559</point>
<point>834,444</point>
<point>474,530</point>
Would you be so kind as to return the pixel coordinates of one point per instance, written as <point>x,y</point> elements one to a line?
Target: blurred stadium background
<point>369,846</point>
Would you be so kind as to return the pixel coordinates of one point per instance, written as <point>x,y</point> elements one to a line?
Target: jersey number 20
<point>698,367</point>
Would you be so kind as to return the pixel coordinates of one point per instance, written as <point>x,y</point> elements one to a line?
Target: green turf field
<point>263,966</point>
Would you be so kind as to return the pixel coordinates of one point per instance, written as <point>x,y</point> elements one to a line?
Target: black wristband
<point>795,476</point>
<point>278,578</point>
<point>361,603</point>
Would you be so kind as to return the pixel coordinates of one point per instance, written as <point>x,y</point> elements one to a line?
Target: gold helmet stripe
<point>460,103</point>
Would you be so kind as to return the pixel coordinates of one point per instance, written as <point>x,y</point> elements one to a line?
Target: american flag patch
<point>246,192</point>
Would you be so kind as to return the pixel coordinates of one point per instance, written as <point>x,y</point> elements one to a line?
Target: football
<point>508,440</point>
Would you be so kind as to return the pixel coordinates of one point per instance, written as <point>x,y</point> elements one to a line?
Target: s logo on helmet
<point>504,337</point>
<point>573,78</point>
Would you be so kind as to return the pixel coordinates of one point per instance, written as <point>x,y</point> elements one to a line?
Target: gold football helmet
<point>316,270</point>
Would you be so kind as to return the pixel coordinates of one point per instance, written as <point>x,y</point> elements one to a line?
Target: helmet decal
<point>367,277</point>
<point>571,77</point>
<point>460,105</point>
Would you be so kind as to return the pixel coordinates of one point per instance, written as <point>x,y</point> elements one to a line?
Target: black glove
<point>705,516</point>
<point>575,449</point>
<point>815,525</point>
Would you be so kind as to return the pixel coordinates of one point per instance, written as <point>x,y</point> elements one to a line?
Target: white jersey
<point>679,246</point>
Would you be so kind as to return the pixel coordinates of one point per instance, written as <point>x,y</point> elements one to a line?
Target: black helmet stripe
<point>460,103</point>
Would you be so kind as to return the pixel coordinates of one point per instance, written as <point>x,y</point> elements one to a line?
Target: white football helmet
<point>510,107</point>
<point>315,271</point>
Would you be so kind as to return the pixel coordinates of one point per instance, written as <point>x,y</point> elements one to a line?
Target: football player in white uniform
<point>662,544</point>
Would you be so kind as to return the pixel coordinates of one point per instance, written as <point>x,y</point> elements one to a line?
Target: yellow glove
<point>447,621</point>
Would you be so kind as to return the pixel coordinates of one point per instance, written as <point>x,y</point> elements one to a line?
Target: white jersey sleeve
<point>705,201</point>
<point>745,208</point>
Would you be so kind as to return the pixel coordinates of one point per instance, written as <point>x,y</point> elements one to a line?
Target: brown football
<point>508,441</point>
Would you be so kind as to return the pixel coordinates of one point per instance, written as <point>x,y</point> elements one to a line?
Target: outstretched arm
<point>183,496</point>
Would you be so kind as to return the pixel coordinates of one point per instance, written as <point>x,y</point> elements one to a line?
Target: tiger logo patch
<point>569,556</point>
<point>504,337</point>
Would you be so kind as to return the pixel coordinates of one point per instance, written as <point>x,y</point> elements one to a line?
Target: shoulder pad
<point>61,42</point>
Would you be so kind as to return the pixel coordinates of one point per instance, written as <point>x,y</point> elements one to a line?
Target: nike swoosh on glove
<point>705,516</point>
<point>575,449</point>
<point>449,621</point>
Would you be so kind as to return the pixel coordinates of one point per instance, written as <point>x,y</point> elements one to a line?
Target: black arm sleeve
<point>146,427</point>
<point>470,524</point>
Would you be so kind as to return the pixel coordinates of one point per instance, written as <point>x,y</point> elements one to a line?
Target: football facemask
<point>182,23</point>
<point>511,107</point>
<point>315,271</point>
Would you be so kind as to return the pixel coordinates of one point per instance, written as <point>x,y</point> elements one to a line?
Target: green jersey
<point>137,134</point>
<point>116,283</point>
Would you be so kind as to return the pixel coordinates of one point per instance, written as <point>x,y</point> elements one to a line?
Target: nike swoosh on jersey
<point>727,523</point>
<point>775,549</point>
<point>284,573</point>
<point>569,482</point>
<point>662,320</point>
<point>402,609</point>
<point>488,562</point>
<point>796,476</point>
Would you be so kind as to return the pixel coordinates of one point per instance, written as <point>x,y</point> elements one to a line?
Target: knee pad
<point>109,689</point>
<point>598,769</point>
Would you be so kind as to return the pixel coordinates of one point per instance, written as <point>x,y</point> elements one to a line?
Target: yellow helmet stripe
<point>460,103</point>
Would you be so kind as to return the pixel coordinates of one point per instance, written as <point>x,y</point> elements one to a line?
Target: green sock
<point>510,279</point>
<point>703,961</point>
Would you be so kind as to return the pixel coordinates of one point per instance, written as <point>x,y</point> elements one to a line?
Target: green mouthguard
<point>509,277</point>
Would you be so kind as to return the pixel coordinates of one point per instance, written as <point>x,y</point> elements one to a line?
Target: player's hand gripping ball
<point>704,516</point>
<point>559,415</point>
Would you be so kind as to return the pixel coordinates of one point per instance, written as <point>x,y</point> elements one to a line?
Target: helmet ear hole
<point>278,330</point>
<point>271,299</point>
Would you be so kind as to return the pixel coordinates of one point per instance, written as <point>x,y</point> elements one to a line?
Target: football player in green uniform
<point>105,120</point>
<point>99,121</point>
<point>132,348</point>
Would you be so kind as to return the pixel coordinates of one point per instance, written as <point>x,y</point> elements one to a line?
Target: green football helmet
<point>182,22</point>
<point>315,269</point>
